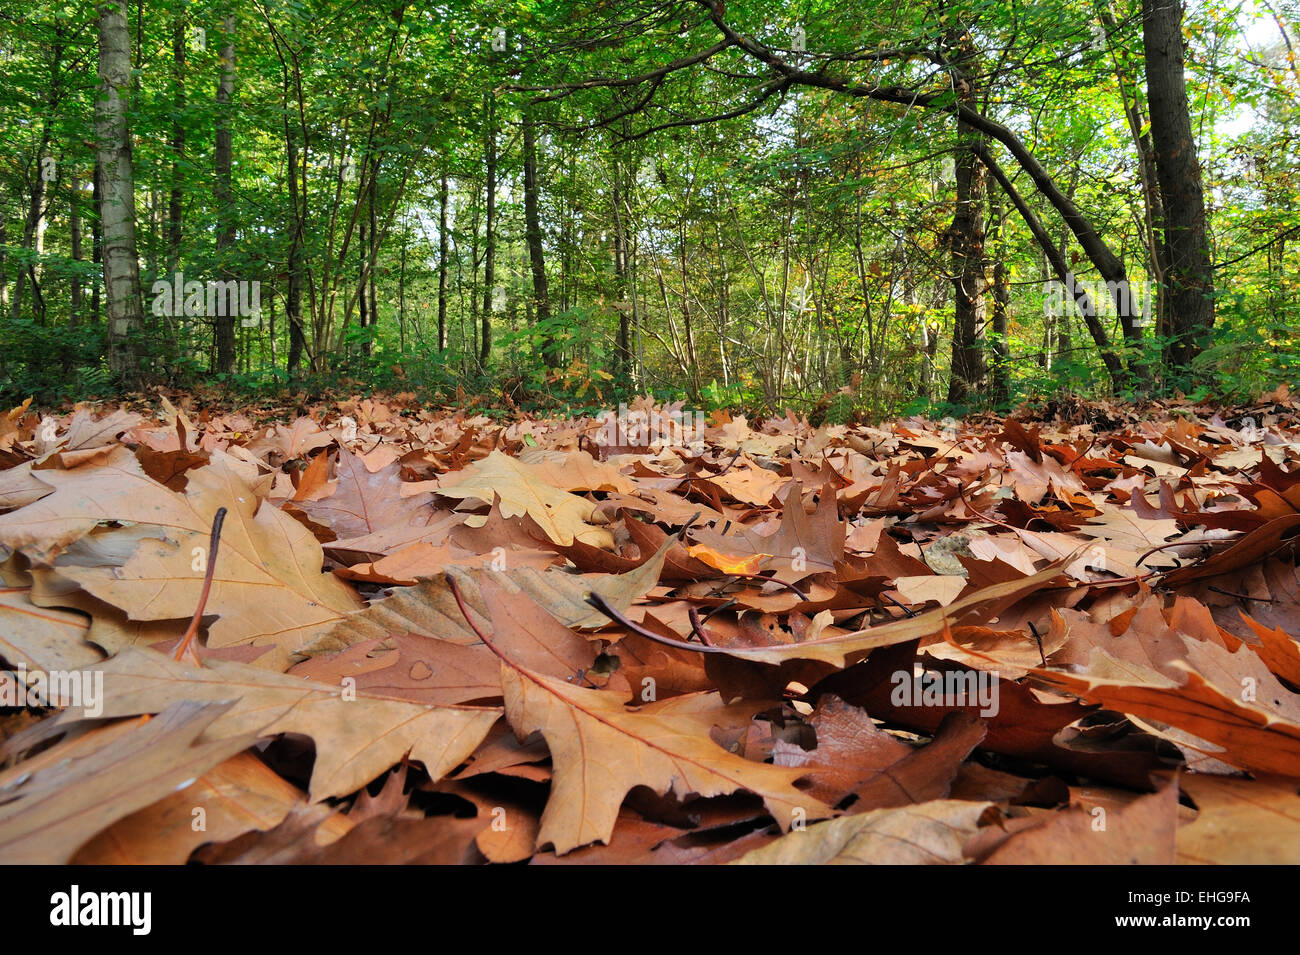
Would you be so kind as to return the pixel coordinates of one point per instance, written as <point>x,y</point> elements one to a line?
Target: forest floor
<point>366,631</point>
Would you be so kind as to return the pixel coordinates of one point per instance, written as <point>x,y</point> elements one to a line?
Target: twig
<point>1229,593</point>
<point>1079,457</point>
<point>697,626</point>
<point>901,606</point>
<point>732,578</point>
<point>597,601</point>
<point>739,452</point>
<point>961,493</point>
<point>719,608</point>
<point>1034,631</point>
<point>1184,543</point>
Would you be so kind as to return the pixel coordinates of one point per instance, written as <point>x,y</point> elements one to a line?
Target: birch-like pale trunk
<point>117,195</point>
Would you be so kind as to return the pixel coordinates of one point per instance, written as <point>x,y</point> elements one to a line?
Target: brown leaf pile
<point>431,637</point>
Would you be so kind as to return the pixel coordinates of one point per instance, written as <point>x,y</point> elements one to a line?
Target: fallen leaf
<point>931,833</point>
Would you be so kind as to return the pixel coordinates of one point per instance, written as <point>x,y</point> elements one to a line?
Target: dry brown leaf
<point>240,794</point>
<point>55,802</point>
<point>358,735</point>
<point>561,515</point>
<point>1141,833</point>
<point>1240,821</point>
<point>931,833</point>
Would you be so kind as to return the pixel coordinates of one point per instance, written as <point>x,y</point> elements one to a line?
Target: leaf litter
<point>425,635</point>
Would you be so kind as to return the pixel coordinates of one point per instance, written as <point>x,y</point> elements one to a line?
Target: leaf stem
<point>217,520</point>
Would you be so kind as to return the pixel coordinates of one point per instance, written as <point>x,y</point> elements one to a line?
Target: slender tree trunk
<point>533,230</point>
<point>401,293</point>
<point>724,297</point>
<point>442,263</point>
<point>1077,292</point>
<point>474,298</point>
<point>367,247</point>
<point>1189,281</point>
<point>117,196</point>
<point>74,236</point>
<point>96,236</point>
<point>372,266</point>
<point>224,325</point>
<point>623,345</point>
<point>490,237</point>
<point>363,281</point>
<point>4,261</point>
<point>293,301</point>
<point>4,258</point>
<point>151,245</point>
<point>1001,383</point>
<point>175,202</point>
<point>46,173</point>
<point>1157,250</point>
<point>688,323</point>
<point>297,217</point>
<point>68,352</point>
<point>567,241</point>
<point>34,221</point>
<point>966,235</point>
<point>930,353</point>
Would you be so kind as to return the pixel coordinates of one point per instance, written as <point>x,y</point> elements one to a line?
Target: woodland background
<point>838,208</point>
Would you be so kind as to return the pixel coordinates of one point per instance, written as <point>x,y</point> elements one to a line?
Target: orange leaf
<point>725,563</point>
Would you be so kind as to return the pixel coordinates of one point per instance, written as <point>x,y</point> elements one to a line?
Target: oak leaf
<point>358,735</point>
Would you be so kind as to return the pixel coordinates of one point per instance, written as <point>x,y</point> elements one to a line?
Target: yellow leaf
<point>726,564</point>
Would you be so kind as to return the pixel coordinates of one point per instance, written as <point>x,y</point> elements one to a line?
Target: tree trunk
<point>373,252</point>
<point>1189,282</point>
<point>966,236</point>
<point>96,236</point>
<point>533,237</point>
<point>74,235</point>
<point>117,196</point>
<point>1001,383</point>
<point>224,325</point>
<point>4,261</point>
<point>1109,265</point>
<point>1157,251</point>
<point>442,263</point>
<point>623,344</point>
<point>363,281</point>
<point>490,238</point>
<point>401,293</point>
<point>4,258</point>
<point>688,322</point>
<point>34,221</point>
<point>297,213</point>
<point>176,199</point>
<point>1077,293</point>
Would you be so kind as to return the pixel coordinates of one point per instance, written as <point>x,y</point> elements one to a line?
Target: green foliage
<point>51,363</point>
<point>731,396</point>
<point>1251,353</point>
